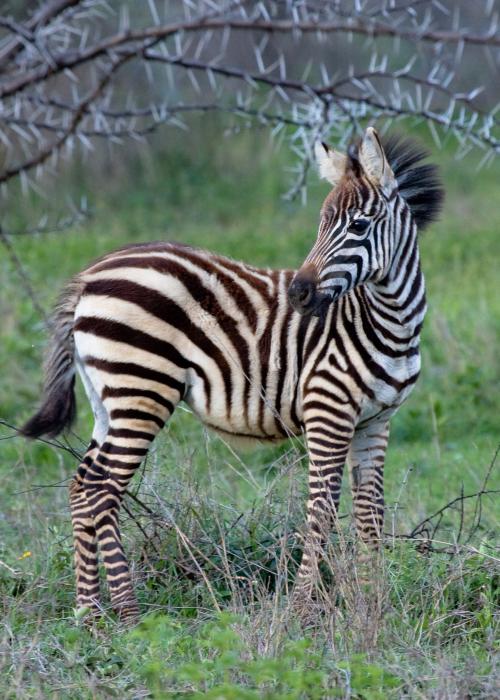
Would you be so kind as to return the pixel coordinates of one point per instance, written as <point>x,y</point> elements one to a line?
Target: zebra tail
<point>58,406</point>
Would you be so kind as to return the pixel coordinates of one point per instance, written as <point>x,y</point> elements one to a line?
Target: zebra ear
<point>331,164</point>
<point>374,162</point>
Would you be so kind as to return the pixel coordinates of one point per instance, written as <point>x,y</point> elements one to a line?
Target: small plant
<point>219,665</point>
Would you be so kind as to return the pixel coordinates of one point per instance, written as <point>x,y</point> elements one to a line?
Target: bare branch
<point>60,84</point>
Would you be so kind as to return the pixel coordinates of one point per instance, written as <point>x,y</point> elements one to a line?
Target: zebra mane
<point>419,184</point>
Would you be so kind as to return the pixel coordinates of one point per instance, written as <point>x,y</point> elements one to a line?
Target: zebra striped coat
<point>330,351</point>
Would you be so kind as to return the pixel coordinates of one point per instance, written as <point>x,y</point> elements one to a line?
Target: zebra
<point>329,351</point>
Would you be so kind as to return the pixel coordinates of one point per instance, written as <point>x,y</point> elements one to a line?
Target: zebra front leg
<point>328,444</point>
<point>84,538</point>
<point>366,467</point>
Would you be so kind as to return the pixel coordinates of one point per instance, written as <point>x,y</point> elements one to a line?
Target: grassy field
<point>214,557</point>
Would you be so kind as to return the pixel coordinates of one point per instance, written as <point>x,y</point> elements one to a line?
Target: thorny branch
<point>306,69</point>
<point>78,114</point>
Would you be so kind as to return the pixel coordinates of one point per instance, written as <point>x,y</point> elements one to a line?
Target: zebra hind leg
<point>84,538</point>
<point>127,442</point>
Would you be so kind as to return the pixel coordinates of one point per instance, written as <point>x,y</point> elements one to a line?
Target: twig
<point>459,499</point>
<point>9,568</point>
<point>60,226</point>
<point>139,526</point>
<point>140,503</point>
<point>23,276</point>
<point>476,519</point>
<point>53,443</point>
<point>22,33</point>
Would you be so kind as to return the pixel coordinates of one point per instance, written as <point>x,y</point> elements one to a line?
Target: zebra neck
<point>399,298</point>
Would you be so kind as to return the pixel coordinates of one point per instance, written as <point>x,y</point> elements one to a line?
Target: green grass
<point>433,632</point>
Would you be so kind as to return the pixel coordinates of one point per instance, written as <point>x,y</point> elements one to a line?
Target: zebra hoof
<point>308,613</point>
<point>305,607</point>
<point>127,613</point>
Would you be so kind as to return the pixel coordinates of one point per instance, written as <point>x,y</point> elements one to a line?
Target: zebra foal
<point>330,351</point>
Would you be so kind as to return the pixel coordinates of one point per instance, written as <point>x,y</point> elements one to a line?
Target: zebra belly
<point>239,422</point>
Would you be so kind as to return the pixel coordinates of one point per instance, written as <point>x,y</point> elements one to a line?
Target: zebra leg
<point>127,442</point>
<point>366,466</point>
<point>328,446</point>
<point>84,537</point>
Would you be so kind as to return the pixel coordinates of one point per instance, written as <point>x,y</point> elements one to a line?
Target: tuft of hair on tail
<point>57,409</point>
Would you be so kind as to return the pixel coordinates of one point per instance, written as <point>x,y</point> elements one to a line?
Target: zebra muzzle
<point>305,298</point>
<point>301,294</point>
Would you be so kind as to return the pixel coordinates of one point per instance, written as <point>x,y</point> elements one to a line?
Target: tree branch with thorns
<point>60,84</point>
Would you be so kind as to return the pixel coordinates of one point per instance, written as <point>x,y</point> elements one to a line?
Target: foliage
<point>220,666</point>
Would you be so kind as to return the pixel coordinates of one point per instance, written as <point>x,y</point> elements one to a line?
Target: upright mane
<point>419,184</point>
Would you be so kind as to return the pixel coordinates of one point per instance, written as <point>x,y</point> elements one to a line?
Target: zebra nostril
<point>304,295</point>
<point>301,294</point>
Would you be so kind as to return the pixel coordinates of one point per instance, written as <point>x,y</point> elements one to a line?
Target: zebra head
<point>354,240</point>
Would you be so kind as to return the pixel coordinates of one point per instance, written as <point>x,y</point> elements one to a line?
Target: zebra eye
<point>359,225</point>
